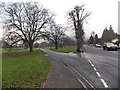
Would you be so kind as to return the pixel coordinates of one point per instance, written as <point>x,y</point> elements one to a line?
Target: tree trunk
<point>31,47</point>
<point>78,45</point>
<point>79,39</point>
<point>56,45</point>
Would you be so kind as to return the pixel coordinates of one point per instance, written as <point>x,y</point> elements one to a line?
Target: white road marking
<point>80,76</point>
<point>92,65</point>
<point>78,79</point>
<point>104,83</point>
<point>82,83</point>
<point>94,68</point>
<point>83,78</point>
<point>90,61</point>
<point>98,74</point>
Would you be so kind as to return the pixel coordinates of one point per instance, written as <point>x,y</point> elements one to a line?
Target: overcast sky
<point>103,13</point>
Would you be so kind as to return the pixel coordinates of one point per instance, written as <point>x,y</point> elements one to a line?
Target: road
<point>98,67</point>
<point>106,64</point>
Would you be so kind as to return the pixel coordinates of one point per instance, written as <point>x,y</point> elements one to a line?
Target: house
<point>115,40</point>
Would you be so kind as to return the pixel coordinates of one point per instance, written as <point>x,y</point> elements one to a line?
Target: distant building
<point>115,40</point>
<point>39,45</point>
<point>43,44</point>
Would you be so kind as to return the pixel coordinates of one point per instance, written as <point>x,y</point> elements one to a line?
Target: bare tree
<point>69,41</point>
<point>10,40</point>
<point>26,20</point>
<point>78,17</point>
<point>55,33</point>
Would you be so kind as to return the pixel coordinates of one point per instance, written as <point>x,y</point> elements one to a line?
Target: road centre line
<point>104,83</point>
<point>90,62</point>
<point>95,69</point>
<point>92,65</point>
<point>98,74</point>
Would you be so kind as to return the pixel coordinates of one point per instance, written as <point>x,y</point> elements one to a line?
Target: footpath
<point>60,77</point>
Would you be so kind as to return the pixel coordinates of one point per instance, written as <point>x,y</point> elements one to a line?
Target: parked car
<point>119,46</point>
<point>90,45</point>
<point>97,45</point>
<point>110,46</point>
<point>20,48</point>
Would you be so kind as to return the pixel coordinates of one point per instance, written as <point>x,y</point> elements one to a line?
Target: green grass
<point>24,69</point>
<point>8,50</point>
<point>65,49</point>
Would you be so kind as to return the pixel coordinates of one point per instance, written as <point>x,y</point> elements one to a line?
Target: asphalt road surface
<point>98,67</point>
<point>105,63</point>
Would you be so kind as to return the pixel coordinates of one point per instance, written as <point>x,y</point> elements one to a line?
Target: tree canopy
<point>26,20</point>
<point>55,34</point>
<point>108,35</point>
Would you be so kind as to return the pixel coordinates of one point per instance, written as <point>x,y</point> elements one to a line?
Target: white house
<point>115,40</point>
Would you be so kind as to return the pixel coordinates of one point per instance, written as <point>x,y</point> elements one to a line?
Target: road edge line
<point>80,76</point>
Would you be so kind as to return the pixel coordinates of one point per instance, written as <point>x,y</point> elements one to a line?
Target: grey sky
<point>103,12</point>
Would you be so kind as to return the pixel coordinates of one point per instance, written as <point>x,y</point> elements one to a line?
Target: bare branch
<point>27,20</point>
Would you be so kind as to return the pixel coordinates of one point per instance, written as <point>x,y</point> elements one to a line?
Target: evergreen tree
<point>91,40</point>
<point>96,39</point>
<point>108,35</point>
<point>105,35</point>
<point>112,35</point>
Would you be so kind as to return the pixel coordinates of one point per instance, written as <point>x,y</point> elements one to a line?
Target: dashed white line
<point>92,65</point>
<point>90,61</point>
<point>104,83</point>
<point>94,68</point>
<point>98,74</point>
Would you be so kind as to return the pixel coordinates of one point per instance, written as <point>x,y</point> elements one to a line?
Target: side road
<point>61,76</point>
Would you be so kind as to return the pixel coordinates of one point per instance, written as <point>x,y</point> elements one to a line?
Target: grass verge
<point>24,69</point>
<point>9,50</point>
<point>64,49</point>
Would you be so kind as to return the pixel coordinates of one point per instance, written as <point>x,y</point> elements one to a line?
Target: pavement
<point>61,76</point>
<point>96,68</point>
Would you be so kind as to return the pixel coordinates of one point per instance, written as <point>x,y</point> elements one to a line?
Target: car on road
<point>98,45</point>
<point>110,46</point>
<point>119,46</point>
